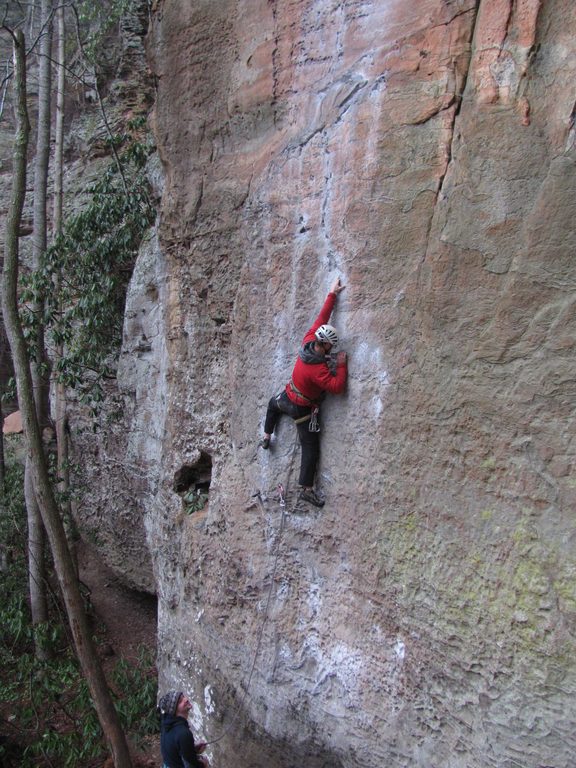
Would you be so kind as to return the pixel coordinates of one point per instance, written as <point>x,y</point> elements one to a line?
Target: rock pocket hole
<point>192,483</point>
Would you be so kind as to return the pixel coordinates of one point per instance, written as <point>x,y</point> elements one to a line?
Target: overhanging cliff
<point>425,152</point>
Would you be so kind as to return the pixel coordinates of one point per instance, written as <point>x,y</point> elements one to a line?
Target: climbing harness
<point>314,426</point>
<point>296,391</point>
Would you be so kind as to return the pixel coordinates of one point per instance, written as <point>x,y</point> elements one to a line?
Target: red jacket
<point>313,379</point>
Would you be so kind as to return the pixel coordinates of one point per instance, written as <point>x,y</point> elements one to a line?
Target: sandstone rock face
<point>12,424</point>
<point>424,150</point>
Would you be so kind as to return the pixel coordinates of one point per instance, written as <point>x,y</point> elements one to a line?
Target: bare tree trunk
<point>36,562</point>
<point>40,237</point>
<point>80,629</point>
<point>59,129</point>
<point>3,355</point>
<point>36,538</point>
<point>60,410</point>
<point>2,454</point>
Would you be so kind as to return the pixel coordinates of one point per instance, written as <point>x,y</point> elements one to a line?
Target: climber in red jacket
<point>314,374</point>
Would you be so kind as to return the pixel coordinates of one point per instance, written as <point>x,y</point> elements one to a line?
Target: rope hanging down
<point>282,495</point>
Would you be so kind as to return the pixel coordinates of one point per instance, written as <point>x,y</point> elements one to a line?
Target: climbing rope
<point>282,496</point>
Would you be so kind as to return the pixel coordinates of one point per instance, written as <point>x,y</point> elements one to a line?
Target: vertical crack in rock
<point>507,25</point>
<point>198,203</point>
<point>457,101</point>
<point>523,103</point>
<point>456,105</point>
<point>571,130</point>
<point>275,63</point>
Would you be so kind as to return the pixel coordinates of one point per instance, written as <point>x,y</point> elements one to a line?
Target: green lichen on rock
<point>507,590</point>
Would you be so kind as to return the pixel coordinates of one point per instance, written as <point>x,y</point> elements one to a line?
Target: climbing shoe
<point>310,495</point>
<point>265,443</point>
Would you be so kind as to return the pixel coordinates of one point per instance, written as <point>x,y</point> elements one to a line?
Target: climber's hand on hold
<point>337,286</point>
<point>341,358</point>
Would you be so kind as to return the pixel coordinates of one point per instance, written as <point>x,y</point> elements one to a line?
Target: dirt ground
<point>126,622</point>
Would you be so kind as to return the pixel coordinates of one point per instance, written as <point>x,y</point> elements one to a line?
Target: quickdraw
<point>314,425</point>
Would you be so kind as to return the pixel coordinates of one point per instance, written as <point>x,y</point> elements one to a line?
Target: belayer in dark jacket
<point>314,374</point>
<point>176,740</point>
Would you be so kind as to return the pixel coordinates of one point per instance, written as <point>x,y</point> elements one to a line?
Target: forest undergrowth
<point>47,719</point>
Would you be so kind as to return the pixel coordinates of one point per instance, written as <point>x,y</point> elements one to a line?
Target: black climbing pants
<point>310,441</point>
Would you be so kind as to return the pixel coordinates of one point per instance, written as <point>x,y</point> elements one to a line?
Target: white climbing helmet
<point>327,334</point>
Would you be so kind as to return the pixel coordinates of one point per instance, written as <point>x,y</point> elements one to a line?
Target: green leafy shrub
<point>46,705</point>
<point>15,630</point>
<point>83,279</point>
<point>194,501</point>
<point>138,710</point>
